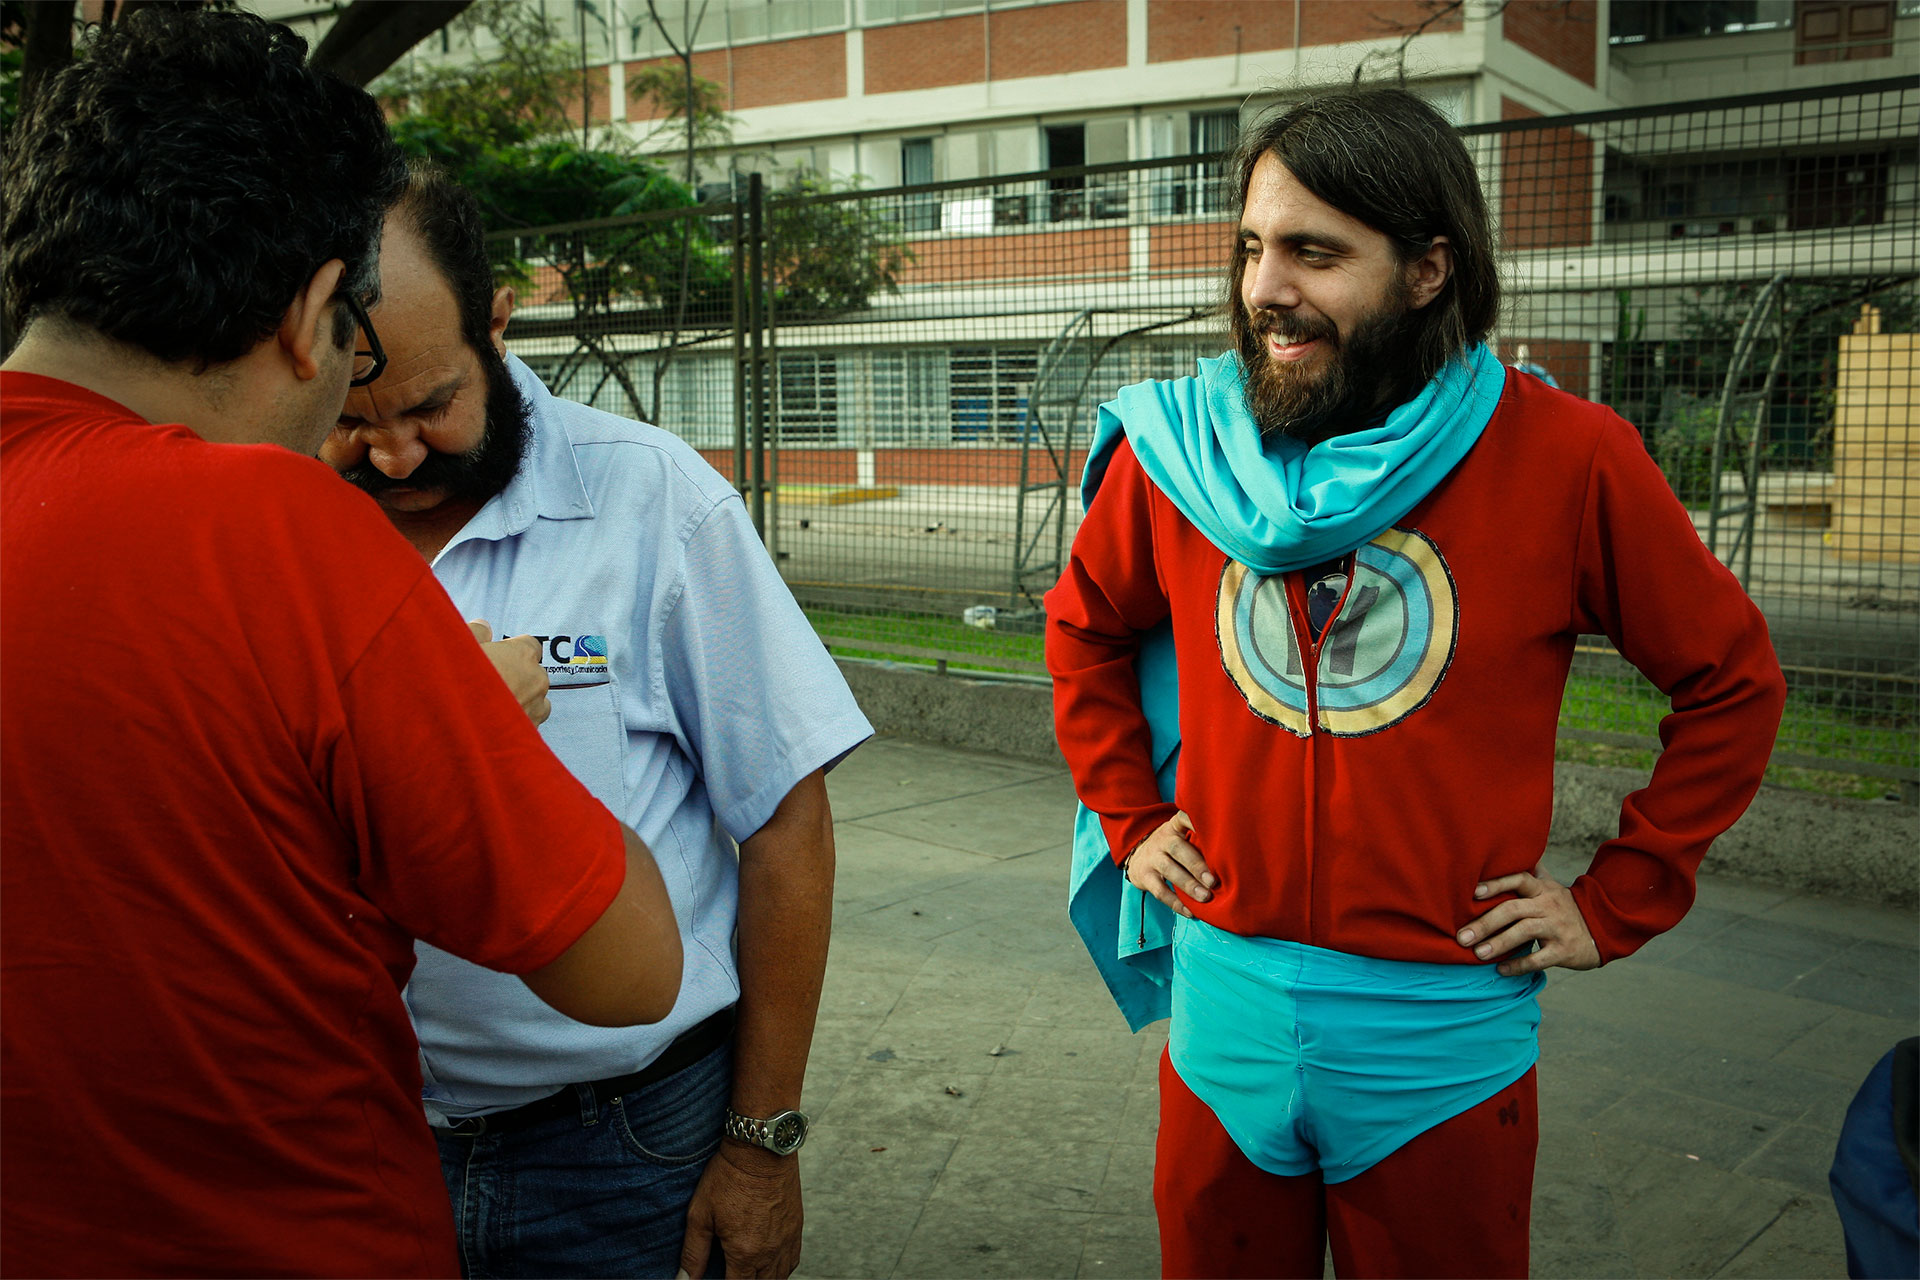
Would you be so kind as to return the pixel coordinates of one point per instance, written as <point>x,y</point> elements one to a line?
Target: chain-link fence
<point>906,395</point>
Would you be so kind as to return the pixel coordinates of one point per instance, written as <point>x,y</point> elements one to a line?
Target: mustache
<point>1291,326</point>
<point>436,471</point>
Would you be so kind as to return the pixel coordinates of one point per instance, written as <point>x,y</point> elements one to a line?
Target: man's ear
<point>503,299</point>
<point>308,321</point>
<point>1427,274</point>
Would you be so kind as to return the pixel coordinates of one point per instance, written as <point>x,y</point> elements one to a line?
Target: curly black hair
<point>177,186</point>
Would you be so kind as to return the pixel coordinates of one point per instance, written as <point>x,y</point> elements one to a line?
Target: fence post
<point>739,348</point>
<point>756,319</point>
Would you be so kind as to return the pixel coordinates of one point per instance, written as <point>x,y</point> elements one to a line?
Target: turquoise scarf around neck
<point>1274,504</point>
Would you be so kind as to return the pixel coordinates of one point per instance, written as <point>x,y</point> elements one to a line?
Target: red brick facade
<point>596,96</point>
<point>1096,254</point>
<point>1190,249</point>
<point>809,69</point>
<point>1052,39</point>
<point>1546,184</point>
<point>1338,21</point>
<point>805,70</point>
<point>1565,33</point>
<point>1178,29</point>
<point>708,65</point>
<point>926,55</point>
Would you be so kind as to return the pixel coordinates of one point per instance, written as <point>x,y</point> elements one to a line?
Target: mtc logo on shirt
<point>580,659</point>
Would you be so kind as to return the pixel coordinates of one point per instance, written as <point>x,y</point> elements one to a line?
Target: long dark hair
<point>1387,158</point>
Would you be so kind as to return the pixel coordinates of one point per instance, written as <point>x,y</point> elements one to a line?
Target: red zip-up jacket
<point>1357,810</point>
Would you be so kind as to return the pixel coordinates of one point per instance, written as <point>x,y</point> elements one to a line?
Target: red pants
<point>1455,1201</point>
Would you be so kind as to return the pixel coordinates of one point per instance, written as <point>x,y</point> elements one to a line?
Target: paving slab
<point>982,1110</point>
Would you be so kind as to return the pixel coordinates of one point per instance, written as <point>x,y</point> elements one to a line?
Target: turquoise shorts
<point>1316,1059</point>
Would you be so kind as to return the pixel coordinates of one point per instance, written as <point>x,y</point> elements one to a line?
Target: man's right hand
<point>1166,861</point>
<point>518,662</point>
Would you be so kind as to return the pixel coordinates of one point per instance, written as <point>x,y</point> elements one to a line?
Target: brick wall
<point>1338,21</point>
<point>710,64</point>
<point>596,95</point>
<point>1179,29</point>
<point>925,55</point>
<point>1190,249</point>
<point>805,70</point>
<point>1099,253</point>
<point>1053,39</point>
<point>1546,184</point>
<point>809,69</point>
<point>1565,33</point>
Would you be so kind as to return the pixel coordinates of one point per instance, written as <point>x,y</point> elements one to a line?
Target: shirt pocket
<point>586,731</point>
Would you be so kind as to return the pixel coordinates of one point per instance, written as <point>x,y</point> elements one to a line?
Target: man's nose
<point>1270,283</point>
<point>396,449</point>
<point>397,454</point>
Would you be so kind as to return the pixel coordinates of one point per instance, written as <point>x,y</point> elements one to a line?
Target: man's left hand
<point>1545,912</point>
<point>748,1206</point>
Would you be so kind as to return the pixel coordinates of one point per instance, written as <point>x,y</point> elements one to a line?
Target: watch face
<point>788,1131</point>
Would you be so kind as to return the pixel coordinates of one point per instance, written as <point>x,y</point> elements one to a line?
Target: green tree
<point>828,255</point>
<point>498,121</point>
<point>1811,316</point>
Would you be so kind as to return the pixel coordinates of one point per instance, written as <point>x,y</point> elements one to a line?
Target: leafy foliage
<point>1814,314</point>
<point>500,125</point>
<point>829,255</point>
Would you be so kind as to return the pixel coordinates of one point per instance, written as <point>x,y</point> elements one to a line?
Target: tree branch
<point>371,35</point>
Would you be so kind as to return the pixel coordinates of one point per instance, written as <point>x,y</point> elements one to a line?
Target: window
<point>987,392</point>
<point>808,384</point>
<point>910,397</point>
<point>1211,131</point>
<point>1836,190</point>
<point>1745,193</point>
<point>1843,31</point>
<point>1091,142</point>
<point>922,213</point>
<point>1644,21</point>
<point>729,22</point>
<point>696,398</point>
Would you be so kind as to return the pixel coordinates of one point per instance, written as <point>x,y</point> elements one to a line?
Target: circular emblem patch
<point>1380,657</point>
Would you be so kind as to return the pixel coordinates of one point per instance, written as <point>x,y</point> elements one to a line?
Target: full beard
<point>1357,376</point>
<point>484,470</point>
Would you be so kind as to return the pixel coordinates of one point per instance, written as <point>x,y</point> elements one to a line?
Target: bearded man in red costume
<point>1308,654</point>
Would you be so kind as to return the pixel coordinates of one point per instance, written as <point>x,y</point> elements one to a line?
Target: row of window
<point>1754,193</point>
<point>1861,23</point>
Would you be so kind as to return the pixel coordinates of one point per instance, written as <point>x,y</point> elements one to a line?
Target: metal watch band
<point>761,1132</point>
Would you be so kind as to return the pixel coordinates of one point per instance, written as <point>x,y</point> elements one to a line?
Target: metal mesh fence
<point>906,395</point>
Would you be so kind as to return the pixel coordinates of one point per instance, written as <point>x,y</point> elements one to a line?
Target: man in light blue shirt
<point>690,694</point>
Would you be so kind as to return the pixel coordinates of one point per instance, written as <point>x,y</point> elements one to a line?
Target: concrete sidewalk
<point>981,1110</point>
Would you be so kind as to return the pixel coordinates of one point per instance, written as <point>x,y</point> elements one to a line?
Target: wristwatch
<point>781,1134</point>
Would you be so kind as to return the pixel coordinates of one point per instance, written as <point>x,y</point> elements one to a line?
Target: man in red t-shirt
<point>1366,551</point>
<point>250,752</point>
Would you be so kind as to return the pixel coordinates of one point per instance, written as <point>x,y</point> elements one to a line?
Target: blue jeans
<point>601,1192</point>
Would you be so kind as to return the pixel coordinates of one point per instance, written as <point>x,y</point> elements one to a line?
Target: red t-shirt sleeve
<point>1646,581</point>
<point>474,836</point>
<point>1108,594</point>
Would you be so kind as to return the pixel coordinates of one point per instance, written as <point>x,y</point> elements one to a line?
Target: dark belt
<point>687,1048</point>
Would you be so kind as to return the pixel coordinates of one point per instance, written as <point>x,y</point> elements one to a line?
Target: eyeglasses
<point>367,365</point>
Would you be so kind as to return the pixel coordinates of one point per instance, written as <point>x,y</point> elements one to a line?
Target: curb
<point>1818,844</point>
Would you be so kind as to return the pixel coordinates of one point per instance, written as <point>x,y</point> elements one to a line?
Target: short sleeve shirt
<point>249,754</point>
<point>689,693</point>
